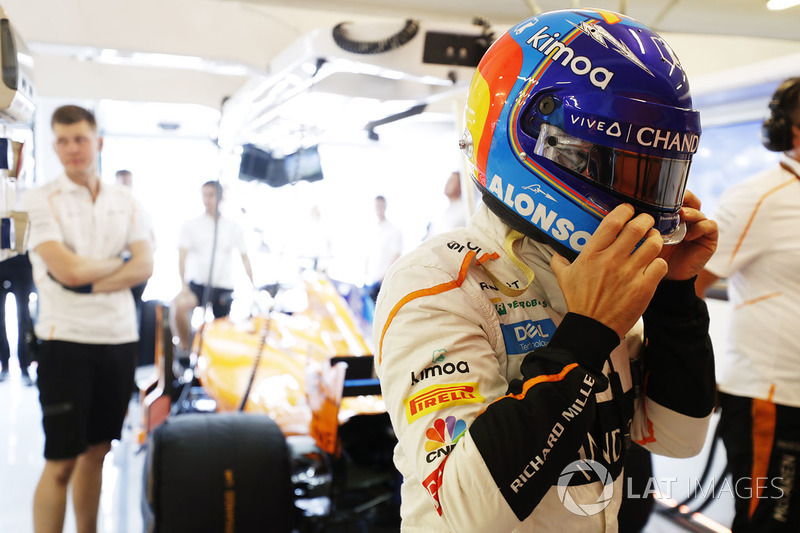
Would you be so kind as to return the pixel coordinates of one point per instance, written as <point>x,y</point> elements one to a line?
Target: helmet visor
<point>656,181</point>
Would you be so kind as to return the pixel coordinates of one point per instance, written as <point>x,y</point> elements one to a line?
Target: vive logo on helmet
<point>685,142</point>
<point>580,65</point>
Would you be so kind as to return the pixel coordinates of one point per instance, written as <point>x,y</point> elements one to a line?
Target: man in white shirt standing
<point>759,253</point>
<point>205,248</point>
<point>80,229</point>
<point>385,249</point>
<point>455,216</point>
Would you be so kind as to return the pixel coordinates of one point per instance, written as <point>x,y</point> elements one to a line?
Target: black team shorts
<point>84,390</point>
<point>221,299</point>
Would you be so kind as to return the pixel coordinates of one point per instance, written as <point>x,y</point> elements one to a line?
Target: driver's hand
<point>612,281</point>
<point>687,258</point>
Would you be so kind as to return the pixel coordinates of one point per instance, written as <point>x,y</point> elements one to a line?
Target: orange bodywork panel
<point>292,346</point>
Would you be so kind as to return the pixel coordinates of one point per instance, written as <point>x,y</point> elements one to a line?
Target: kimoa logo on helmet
<point>580,65</point>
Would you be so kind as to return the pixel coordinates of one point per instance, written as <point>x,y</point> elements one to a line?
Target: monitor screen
<point>259,165</point>
<point>254,163</point>
<point>304,165</point>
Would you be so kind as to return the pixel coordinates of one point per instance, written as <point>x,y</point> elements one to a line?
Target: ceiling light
<point>776,5</point>
<point>111,56</point>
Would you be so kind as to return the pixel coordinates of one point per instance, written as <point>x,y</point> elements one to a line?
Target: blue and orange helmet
<point>571,113</point>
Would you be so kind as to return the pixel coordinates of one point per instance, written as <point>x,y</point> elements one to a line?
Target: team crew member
<point>385,246</point>
<point>206,245</point>
<point>505,350</point>
<point>759,253</point>
<point>80,228</point>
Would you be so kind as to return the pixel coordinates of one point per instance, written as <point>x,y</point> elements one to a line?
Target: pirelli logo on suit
<point>437,397</point>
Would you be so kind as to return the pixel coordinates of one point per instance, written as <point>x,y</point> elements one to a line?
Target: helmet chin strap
<point>514,221</point>
<point>512,237</point>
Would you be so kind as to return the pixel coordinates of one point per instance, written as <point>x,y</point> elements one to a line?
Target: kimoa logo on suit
<point>449,368</point>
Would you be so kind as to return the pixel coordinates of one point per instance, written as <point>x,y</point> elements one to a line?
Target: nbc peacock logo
<point>443,436</point>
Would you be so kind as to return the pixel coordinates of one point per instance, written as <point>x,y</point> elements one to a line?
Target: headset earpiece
<point>776,131</point>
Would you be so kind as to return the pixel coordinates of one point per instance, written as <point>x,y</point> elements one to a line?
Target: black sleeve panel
<point>678,357</point>
<point>589,340</point>
<point>527,438</point>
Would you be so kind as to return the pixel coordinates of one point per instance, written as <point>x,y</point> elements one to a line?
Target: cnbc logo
<point>442,437</point>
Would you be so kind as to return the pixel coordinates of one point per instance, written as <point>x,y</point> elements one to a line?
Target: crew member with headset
<point>206,245</point>
<point>759,389</point>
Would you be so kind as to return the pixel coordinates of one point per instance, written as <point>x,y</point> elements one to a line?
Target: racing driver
<point>521,355</point>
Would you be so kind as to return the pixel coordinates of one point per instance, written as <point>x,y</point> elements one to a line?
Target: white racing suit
<point>492,393</point>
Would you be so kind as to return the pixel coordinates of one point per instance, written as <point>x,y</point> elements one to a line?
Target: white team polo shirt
<point>759,253</point>
<point>197,238</point>
<point>64,211</point>
<point>385,243</point>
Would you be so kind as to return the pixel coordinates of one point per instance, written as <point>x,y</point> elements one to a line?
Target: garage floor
<point>21,462</point>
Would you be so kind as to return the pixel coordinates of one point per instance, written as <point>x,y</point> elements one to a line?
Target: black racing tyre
<point>226,472</point>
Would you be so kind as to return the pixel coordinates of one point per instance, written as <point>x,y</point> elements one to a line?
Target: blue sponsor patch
<point>526,336</point>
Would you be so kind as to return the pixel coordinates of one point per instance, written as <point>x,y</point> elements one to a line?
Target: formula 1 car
<point>298,438</point>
